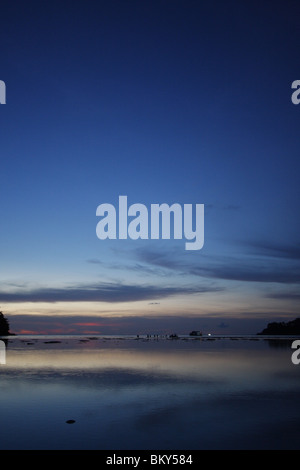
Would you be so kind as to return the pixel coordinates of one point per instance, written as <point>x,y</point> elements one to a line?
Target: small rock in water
<point>70,421</point>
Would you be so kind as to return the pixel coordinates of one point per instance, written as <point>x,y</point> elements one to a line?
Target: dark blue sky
<point>165,102</point>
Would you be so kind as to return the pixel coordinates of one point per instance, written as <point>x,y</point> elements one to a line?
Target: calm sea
<point>149,393</point>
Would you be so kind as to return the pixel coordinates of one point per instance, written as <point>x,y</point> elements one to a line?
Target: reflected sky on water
<point>149,394</point>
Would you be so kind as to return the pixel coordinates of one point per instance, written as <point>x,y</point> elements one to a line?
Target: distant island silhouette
<point>282,328</point>
<point>4,326</point>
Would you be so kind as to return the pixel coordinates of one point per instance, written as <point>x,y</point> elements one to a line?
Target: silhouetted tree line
<point>282,328</point>
<point>4,325</point>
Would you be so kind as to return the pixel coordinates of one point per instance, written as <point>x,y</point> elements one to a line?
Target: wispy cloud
<point>101,292</point>
<point>243,268</point>
<point>257,272</point>
<point>284,295</point>
<point>94,261</point>
<point>146,269</point>
<point>275,250</point>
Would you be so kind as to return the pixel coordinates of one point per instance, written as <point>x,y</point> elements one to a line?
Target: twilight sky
<point>164,101</point>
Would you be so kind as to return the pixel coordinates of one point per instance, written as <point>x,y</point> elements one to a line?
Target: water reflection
<point>280,343</point>
<point>148,395</point>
